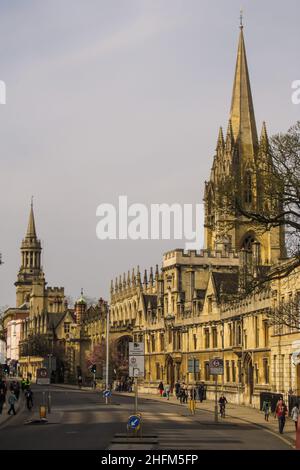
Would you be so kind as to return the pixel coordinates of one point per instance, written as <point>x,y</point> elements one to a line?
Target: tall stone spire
<point>31,231</point>
<point>242,111</point>
<point>30,269</point>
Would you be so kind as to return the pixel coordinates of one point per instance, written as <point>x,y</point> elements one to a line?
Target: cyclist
<point>222,402</point>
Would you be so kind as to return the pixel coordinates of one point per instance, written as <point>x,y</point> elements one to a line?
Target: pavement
<point>234,413</point>
<point>80,419</point>
<point>4,417</point>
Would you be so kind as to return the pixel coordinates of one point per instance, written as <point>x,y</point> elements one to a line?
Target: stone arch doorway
<point>120,356</point>
<point>249,378</point>
<point>170,372</point>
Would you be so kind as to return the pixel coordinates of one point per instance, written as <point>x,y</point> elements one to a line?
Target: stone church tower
<point>245,158</point>
<point>30,271</point>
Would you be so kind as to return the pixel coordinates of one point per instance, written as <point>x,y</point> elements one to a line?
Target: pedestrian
<point>266,409</point>
<point>27,384</point>
<point>23,382</point>
<point>167,391</point>
<point>185,393</point>
<point>16,389</point>
<point>295,414</point>
<point>79,381</point>
<point>160,388</point>
<point>177,389</point>
<point>201,392</point>
<point>2,400</point>
<point>29,398</point>
<point>281,412</point>
<point>11,401</point>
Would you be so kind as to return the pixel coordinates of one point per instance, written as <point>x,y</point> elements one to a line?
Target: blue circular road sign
<point>134,422</point>
<point>107,393</point>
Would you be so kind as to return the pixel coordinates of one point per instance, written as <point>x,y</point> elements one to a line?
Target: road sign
<point>42,376</point>
<point>134,422</point>
<point>136,349</point>
<point>107,393</point>
<point>136,366</point>
<point>216,366</point>
<point>296,357</point>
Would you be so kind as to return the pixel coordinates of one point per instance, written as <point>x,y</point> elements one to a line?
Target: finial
<point>81,292</point>
<point>241,18</point>
<point>31,201</point>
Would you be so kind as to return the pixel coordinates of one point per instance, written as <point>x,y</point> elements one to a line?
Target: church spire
<point>242,111</point>
<point>31,231</point>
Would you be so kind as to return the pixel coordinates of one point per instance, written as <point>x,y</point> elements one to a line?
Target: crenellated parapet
<point>202,257</point>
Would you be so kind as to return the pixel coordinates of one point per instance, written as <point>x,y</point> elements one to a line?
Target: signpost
<point>107,352</point>
<point>107,393</point>
<point>136,365</point>
<point>134,422</point>
<point>216,367</point>
<point>42,376</point>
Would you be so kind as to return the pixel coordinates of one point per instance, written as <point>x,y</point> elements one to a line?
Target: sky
<point>123,97</point>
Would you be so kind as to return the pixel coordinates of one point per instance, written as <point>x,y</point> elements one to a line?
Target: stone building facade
<point>42,325</point>
<point>186,309</point>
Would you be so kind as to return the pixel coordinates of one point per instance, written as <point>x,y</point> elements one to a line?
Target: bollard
<point>192,406</point>
<point>298,435</point>
<point>42,412</point>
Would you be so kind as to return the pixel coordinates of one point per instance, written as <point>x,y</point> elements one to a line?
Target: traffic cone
<point>298,435</point>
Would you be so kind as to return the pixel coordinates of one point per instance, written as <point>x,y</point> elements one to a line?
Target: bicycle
<point>222,411</point>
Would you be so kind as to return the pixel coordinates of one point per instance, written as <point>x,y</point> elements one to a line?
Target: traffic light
<point>93,368</point>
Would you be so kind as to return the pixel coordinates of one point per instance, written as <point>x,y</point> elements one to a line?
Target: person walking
<point>29,398</point>
<point>295,414</point>
<point>201,391</point>
<point>280,413</point>
<point>177,389</point>
<point>167,391</point>
<point>27,384</point>
<point>185,394</point>
<point>2,400</point>
<point>266,409</point>
<point>11,401</point>
<point>160,388</point>
<point>16,389</point>
<point>79,381</point>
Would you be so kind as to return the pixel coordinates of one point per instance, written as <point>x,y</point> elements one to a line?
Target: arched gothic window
<point>248,243</point>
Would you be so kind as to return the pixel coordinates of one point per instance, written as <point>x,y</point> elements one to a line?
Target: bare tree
<point>285,314</point>
<point>276,202</point>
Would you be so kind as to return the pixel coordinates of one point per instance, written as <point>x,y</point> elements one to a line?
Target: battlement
<point>55,290</point>
<point>180,256</point>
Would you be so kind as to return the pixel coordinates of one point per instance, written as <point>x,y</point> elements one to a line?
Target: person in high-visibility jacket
<point>27,384</point>
<point>23,384</point>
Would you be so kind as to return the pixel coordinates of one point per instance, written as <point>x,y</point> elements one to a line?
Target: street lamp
<point>107,349</point>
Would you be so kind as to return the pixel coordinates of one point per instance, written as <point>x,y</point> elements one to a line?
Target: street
<point>81,420</point>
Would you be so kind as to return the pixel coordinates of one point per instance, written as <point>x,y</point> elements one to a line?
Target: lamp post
<point>107,350</point>
<point>50,374</point>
